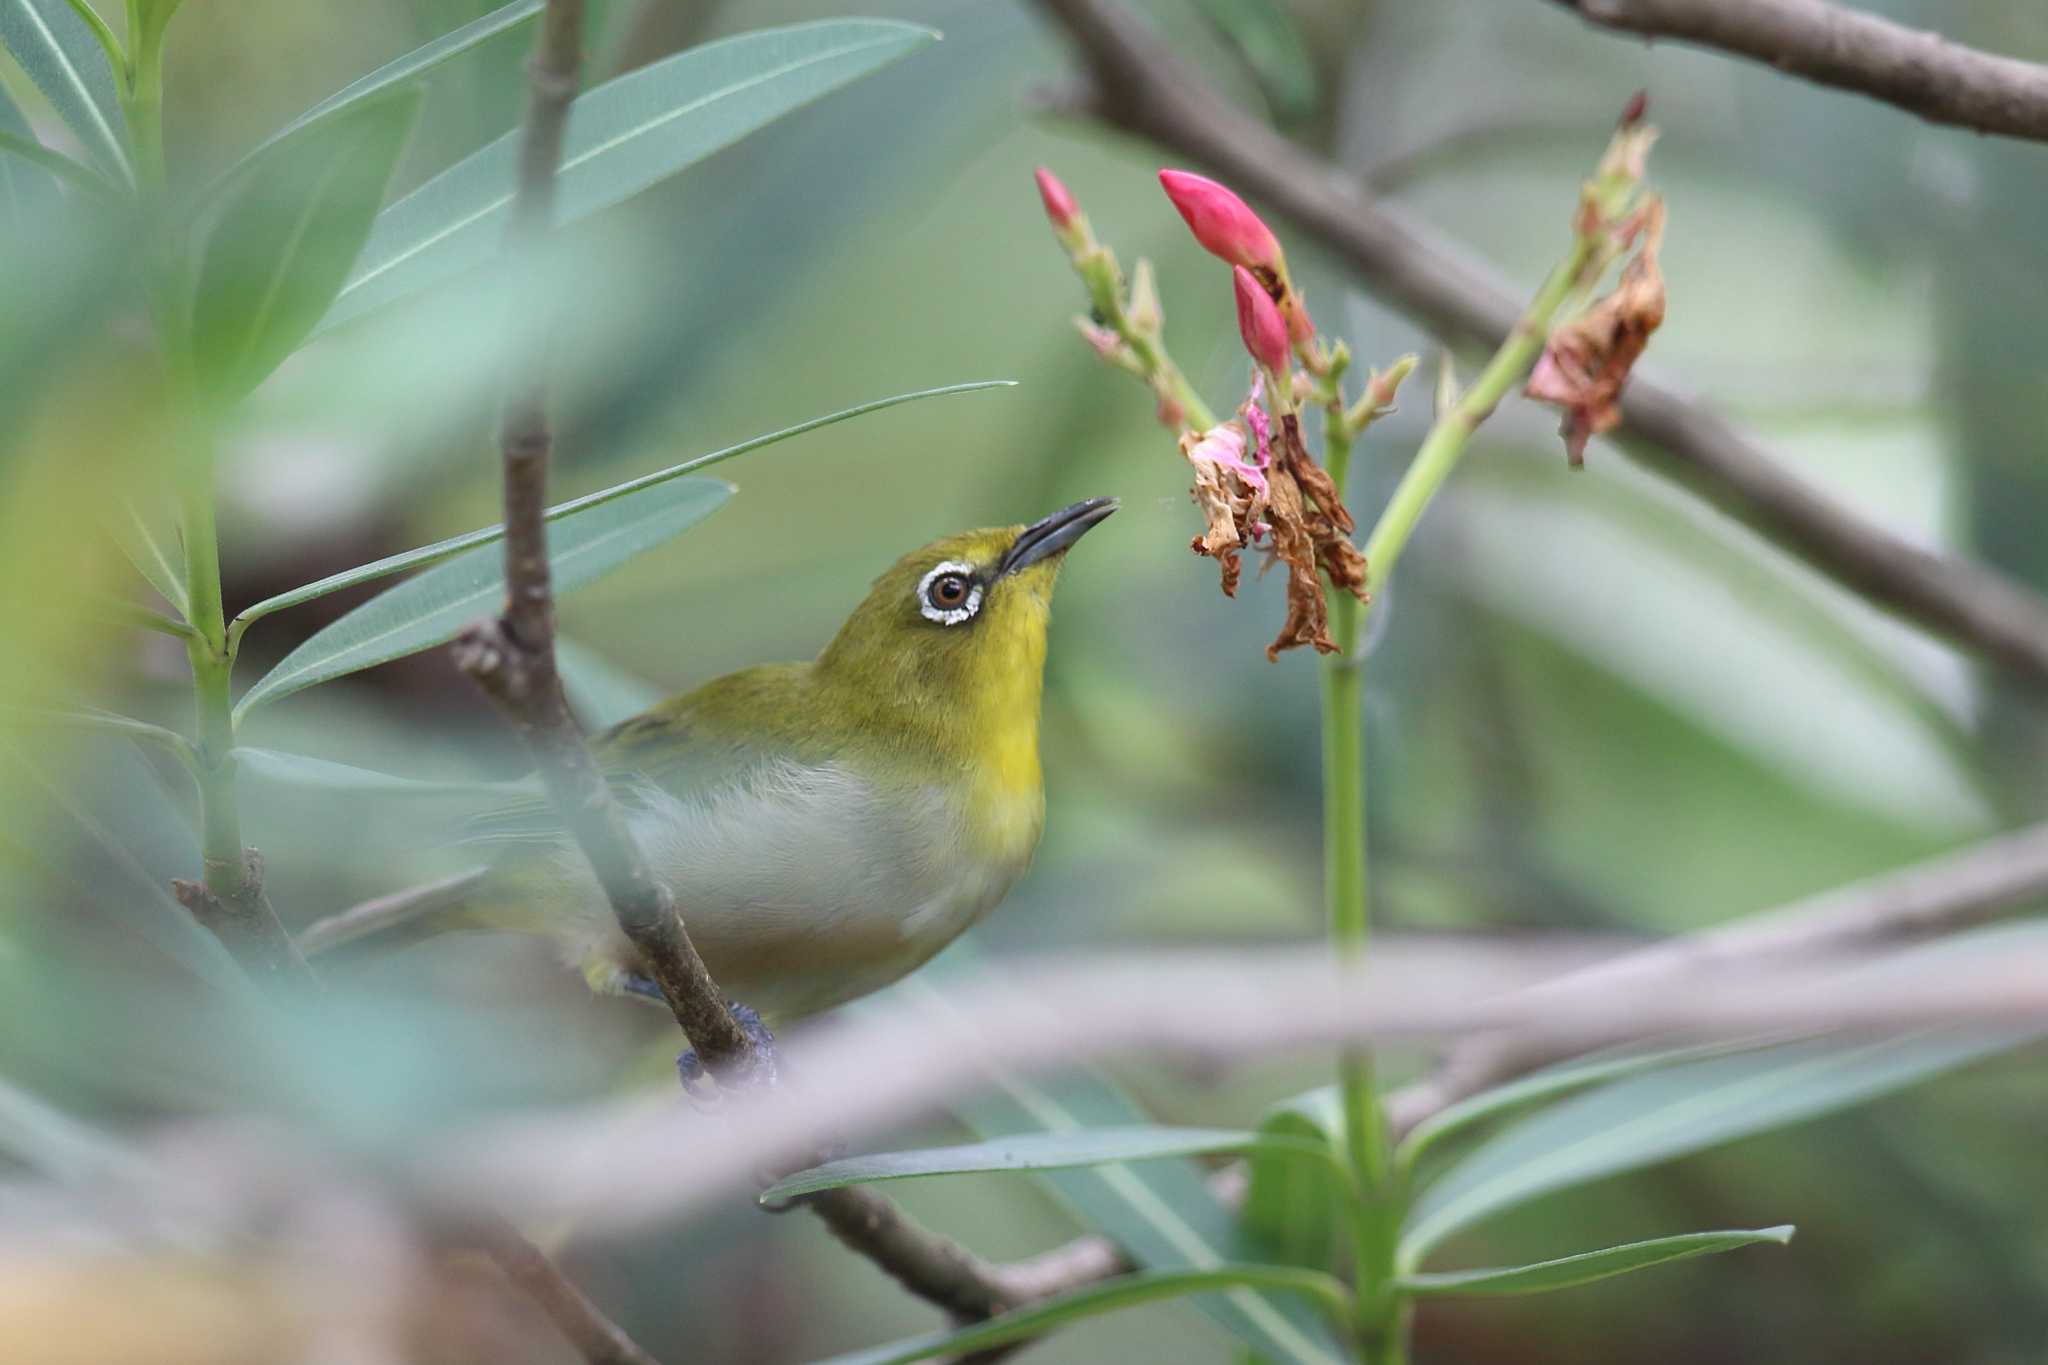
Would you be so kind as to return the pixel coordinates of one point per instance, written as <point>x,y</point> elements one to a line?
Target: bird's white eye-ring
<point>949,593</point>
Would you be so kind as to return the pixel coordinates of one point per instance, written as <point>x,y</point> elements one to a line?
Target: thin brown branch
<point>596,1337</point>
<point>1138,85</point>
<point>1923,901</point>
<point>512,658</point>
<point>1828,44</point>
<point>385,914</point>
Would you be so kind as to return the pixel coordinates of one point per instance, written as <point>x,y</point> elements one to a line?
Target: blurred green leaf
<point>1548,1084</point>
<point>301,770</point>
<point>1264,34</point>
<point>432,608</point>
<point>1586,1267</point>
<point>445,549</point>
<point>412,65</point>
<point>1291,1207</point>
<point>144,545</point>
<point>283,234</point>
<point>1161,1213</point>
<point>68,1150</point>
<point>624,136</point>
<point>1127,1291</point>
<point>600,692</point>
<point>107,722</point>
<point>1040,1152</point>
<point>1683,1109</point>
<point>26,188</point>
<point>60,53</point>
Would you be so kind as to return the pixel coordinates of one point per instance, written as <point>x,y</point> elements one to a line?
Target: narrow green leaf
<point>454,545</point>
<point>624,136</point>
<point>106,722</point>
<point>1292,1208</point>
<point>301,770</point>
<point>412,66</point>
<point>1680,1110</point>
<point>61,55</point>
<point>600,692</point>
<point>27,186</point>
<point>433,608</point>
<point>67,1150</point>
<point>1264,34</point>
<point>1126,1291</point>
<point>1160,1212</point>
<point>283,234</point>
<point>144,545</point>
<point>1569,1271</point>
<point>1039,1152</point>
<point>1540,1086</point>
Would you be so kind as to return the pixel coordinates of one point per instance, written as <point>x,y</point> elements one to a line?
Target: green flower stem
<point>1382,1314</point>
<point>1097,269</point>
<point>1344,883</point>
<point>221,832</point>
<point>1447,438</point>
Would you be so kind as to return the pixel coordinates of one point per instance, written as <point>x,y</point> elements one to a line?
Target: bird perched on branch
<point>825,827</point>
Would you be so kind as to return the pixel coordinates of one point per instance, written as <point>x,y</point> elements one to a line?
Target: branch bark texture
<point>512,658</point>
<point>1136,84</point>
<point>1828,44</point>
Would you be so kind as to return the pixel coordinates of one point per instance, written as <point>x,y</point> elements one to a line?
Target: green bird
<point>825,827</point>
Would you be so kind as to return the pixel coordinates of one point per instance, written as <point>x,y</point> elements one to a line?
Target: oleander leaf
<point>60,55</point>
<point>624,136</point>
<point>1567,1272</point>
<point>433,607</point>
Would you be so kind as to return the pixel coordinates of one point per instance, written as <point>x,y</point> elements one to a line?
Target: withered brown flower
<point>1587,360</point>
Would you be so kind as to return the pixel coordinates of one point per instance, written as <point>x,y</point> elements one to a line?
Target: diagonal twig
<point>1136,84</point>
<point>512,659</point>
<point>1829,44</point>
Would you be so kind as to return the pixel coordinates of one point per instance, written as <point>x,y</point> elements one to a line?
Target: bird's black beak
<point>1055,534</point>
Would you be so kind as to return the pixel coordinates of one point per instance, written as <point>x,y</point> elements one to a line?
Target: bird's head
<point>956,630</point>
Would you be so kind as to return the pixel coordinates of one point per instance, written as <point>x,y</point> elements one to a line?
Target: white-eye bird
<point>825,827</point>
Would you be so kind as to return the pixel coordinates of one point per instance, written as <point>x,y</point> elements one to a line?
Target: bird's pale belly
<point>817,888</point>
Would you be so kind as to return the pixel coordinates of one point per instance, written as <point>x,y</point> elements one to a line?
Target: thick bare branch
<point>1828,44</point>
<point>1137,84</point>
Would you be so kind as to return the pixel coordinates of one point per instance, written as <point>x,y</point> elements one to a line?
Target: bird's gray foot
<point>696,1079</point>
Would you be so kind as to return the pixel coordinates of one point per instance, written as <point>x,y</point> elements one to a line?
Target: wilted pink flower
<point>1258,322</point>
<point>1059,204</point>
<point>1255,418</point>
<point>1224,447</point>
<point>1223,223</point>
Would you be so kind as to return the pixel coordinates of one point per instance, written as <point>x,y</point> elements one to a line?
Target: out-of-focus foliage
<point>1594,703</point>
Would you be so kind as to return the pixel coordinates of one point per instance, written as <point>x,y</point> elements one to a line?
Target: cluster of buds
<point>1587,360</point>
<point>1255,481</point>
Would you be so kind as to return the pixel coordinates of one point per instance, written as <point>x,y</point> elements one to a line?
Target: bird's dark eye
<point>949,594</point>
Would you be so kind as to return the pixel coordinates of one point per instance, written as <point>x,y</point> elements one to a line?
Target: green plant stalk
<point>226,870</point>
<point>1098,272</point>
<point>1383,1314</point>
<point>1448,436</point>
<point>1344,882</point>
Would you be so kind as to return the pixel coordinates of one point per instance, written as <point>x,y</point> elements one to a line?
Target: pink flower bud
<point>1060,207</point>
<point>1223,223</point>
<point>1258,322</point>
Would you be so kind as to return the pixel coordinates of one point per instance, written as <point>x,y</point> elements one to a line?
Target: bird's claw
<point>764,1069</point>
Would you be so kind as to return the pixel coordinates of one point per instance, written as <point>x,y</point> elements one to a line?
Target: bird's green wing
<point>693,742</point>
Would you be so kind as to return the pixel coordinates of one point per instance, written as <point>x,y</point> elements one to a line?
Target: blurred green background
<point>1594,704</point>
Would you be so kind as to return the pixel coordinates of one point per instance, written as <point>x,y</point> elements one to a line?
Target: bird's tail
<point>405,917</point>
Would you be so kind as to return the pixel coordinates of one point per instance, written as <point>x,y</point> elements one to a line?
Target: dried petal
<point>1586,362</point>
<point>1311,531</point>
<point>1259,323</point>
<point>1231,492</point>
<point>1223,223</point>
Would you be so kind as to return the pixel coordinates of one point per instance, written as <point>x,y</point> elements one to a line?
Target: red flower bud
<point>1060,207</point>
<point>1223,223</point>
<point>1258,322</point>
